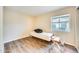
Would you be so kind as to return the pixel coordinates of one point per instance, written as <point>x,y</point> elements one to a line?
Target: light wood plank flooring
<point>32,45</point>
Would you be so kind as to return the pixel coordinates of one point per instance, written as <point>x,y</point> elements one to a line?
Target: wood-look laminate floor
<point>32,45</point>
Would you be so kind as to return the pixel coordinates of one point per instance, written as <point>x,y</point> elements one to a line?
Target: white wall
<point>77,29</point>
<point>16,25</point>
<point>1,30</point>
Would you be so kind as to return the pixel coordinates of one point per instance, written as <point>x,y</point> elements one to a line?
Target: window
<point>60,23</point>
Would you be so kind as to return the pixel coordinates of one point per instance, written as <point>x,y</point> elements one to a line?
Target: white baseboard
<point>10,40</point>
<point>14,39</point>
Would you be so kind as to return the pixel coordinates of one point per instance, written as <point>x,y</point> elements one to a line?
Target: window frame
<point>60,16</point>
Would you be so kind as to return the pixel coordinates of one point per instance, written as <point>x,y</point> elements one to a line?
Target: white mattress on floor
<point>44,35</point>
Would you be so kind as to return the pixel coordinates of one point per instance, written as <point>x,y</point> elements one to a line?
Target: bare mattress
<point>44,35</point>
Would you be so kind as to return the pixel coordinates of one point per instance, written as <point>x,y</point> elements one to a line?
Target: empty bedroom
<point>41,29</point>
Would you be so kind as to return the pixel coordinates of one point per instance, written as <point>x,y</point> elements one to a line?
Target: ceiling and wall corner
<point>34,10</point>
<point>16,25</point>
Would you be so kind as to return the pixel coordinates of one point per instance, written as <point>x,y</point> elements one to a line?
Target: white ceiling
<point>34,10</point>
